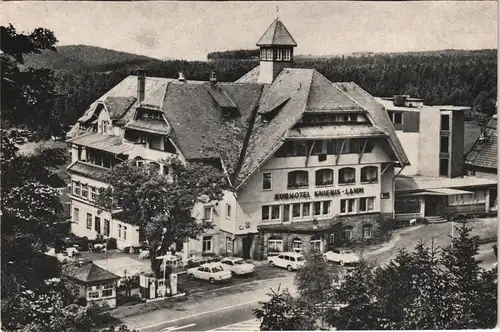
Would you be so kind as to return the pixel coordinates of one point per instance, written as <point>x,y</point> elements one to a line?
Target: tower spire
<point>277,12</point>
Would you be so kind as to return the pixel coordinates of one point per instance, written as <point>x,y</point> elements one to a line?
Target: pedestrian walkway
<point>249,325</point>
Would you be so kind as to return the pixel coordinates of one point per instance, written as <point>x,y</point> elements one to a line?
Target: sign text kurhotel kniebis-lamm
<point>320,193</point>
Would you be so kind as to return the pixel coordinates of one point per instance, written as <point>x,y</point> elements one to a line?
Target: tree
<point>283,313</point>
<point>30,92</point>
<point>484,104</point>
<point>162,205</point>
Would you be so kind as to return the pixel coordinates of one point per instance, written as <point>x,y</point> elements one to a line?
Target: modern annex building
<point>310,162</point>
<point>436,183</point>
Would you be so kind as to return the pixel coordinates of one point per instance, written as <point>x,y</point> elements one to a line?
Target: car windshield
<point>217,269</point>
<point>347,251</point>
<point>300,258</point>
<point>239,262</point>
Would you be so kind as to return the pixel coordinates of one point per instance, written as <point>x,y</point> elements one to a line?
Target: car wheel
<point>341,263</point>
<point>289,268</point>
<point>325,258</point>
<point>271,264</point>
<point>211,280</point>
<point>191,276</point>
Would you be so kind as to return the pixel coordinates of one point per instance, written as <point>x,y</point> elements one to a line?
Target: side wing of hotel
<point>312,163</point>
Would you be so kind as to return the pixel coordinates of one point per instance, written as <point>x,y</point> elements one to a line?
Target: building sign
<point>384,195</point>
<point>320,193</point>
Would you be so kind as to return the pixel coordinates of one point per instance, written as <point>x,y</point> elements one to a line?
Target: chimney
<point>213,78</point>
<point>181,77</point>
<point>141,85</point>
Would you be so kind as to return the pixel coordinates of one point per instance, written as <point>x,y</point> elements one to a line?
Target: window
<point>296,210</point>
<point>76,188</point>
<point>298,179</point>
<point>405,205</point>
<point>266,214</point>
<point>398,118</point>
<point>286,212</point>
<point>275,212</point>
<point>316,243</point>
<point>297,245</point>
<point>93,193</point>
<point>347,233</point>
<point>208,213</point>
<point>347,205</point>
<point>306,209</point>
<point>316,208</point>
<point>85,190</point>
<point>89,221</point>
<point>119,231</point>
<point>269,54</point>
<point>124,232</point>
<point>229,245</point>
<point>139,162</point>
<point>444,144</point>
<point>275,245</point>
<point>263,54</point>
<point>207,244</point>
<point>347,175</point>
<point>279,54</point>
<point>107,289</point>
<point>93,295</point>
<point>228,211</point>
<point>270,212</point>
<point>266,181</point>
<point>367,231</point>
<point>445,122</point>
<point>319,147</point>
<point>288,55</point>
<point>326,208</point>
<point>369,174</point>
<point>443,167</point>
<point>76,215</point>
<point>366,204</point>
<point>324,177</point>
<point>331,238</point>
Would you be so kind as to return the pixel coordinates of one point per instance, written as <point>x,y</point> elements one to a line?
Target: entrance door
<point>247,245</point>
<point>98,225</point>
<point>431,205</point>
<point>493,198</point>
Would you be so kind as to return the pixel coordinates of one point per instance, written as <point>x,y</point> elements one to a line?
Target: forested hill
<point>78,57</point>
<point>444,77</point>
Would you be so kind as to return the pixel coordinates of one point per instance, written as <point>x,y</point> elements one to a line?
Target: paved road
<point>209,313</point>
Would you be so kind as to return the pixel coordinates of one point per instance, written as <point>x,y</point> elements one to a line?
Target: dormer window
<point>263,54</point>
<point>269,54</point>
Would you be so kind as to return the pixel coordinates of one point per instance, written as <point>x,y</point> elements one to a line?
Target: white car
<point>212,272</point>
<point>344,257</point>
<point>289,260</point>
<point>237,265</point>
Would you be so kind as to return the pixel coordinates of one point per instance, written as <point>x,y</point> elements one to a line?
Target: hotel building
<point>311,162</point>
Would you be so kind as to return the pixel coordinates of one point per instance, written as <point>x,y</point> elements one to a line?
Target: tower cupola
<point>276,51</point>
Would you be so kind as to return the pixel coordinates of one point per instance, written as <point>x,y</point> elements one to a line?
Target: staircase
<point>436,219</point>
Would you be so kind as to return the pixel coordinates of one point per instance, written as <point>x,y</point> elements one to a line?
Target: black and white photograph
<point>248,166</point>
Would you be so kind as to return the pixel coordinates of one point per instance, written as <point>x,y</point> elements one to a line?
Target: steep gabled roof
<point>88,273</point>
<point>484,152</point>
<point>276,35</point>
<point>117,106</point>
<point>378,115</point>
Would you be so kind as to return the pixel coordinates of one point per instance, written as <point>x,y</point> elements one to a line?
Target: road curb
<point>238,285</point>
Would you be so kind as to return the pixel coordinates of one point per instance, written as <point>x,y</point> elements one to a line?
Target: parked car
<point>237,266</point>
<point>212,272</point>
<point>344,257</point>
<point>198,261</point>
<point>289,260</point>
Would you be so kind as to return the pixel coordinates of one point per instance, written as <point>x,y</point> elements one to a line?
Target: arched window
<point>298,179</point>
<point>369,174</point>
<point>275,245</point>
<point>367,231</point>
<point>347,175</point>
<point>347,233</point>
<point>297,244</point>
<point>324,177</point>
<point>316,244</point>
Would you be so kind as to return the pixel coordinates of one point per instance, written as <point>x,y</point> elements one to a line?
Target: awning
<point>437,192</point>
<point>112,144</point>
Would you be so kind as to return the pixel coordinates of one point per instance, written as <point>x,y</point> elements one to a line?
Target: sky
<point>190,30</point>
